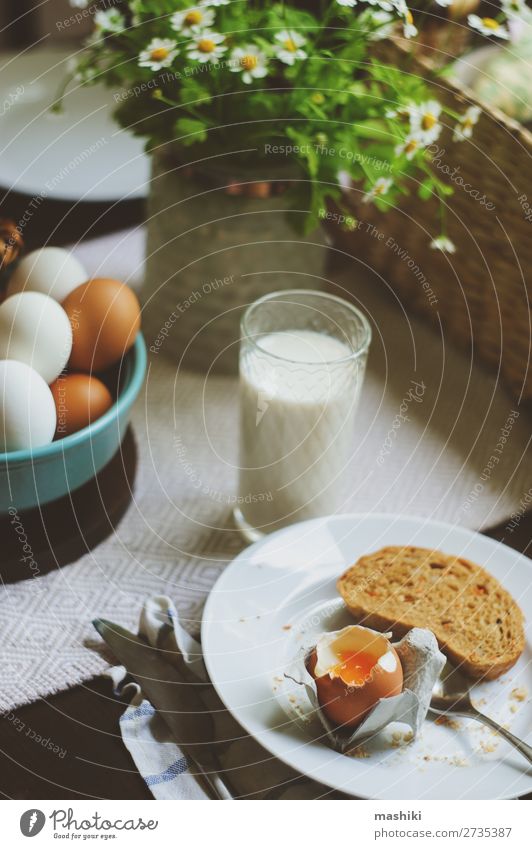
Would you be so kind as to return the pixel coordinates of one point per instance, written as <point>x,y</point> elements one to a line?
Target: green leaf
<point>191,131</point>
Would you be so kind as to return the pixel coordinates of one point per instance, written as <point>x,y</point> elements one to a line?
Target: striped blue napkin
<point>250,770</point>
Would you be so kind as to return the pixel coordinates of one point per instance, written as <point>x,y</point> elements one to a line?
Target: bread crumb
<point>449,722</point>
<point>458,761</point>
<point>287,627</point>
<point>400,739</point>
<point>519,694</point>
<point>359,752</point>
<point>513,708</point>
<point>488,747</point>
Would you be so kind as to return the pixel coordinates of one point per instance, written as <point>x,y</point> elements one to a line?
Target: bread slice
<point>477,623</point>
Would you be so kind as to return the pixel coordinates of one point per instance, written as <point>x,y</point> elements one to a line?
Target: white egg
<point>27,408</point>
<point>52,271</point>
<point>35,330</point>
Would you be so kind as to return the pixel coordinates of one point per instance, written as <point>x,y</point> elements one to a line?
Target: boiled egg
<point>35,330</point>
<point>27,409</point>
<point>105,319</point>
<point>353,669</point>
<point>51,271</point>
<point>80,399</point>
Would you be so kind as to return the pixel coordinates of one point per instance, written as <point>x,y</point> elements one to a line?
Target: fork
<point>459,703</point>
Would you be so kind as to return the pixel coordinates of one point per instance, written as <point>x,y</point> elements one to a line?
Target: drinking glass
<point>302,362</point>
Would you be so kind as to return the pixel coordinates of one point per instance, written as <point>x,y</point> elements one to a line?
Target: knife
<point>177,702</point>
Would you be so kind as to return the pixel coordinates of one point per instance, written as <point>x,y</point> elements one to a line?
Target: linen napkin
<point>249,770</point>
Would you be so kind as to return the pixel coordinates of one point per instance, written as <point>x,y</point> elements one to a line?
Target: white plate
<point>80,154</point>
<point>277,594</point>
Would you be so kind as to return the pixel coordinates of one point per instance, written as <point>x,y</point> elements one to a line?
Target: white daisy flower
<point>409,29</point>
<point>79,4</point>
<point>424,120</point>
<point>488,26</point>
<point>442,243</point>
<point>290,43</point>
<point>192,20</point>
<point>349,3</point>
<point>110,20</point>
<point>160,53</point>
<point>206,46</point>
<point>444,3</point>
<point>379,188</point>
<point>464,127</point>
<point>250,62</point>
<point>385,5</point>
<point>409,146</point>
<point>215,2</point>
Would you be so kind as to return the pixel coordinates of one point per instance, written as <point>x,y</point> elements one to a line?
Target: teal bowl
<point>31,478</point>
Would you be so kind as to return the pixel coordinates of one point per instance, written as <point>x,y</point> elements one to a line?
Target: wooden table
<point>81,724</point>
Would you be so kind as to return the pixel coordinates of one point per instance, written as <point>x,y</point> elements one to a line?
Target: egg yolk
<point>355,667</point>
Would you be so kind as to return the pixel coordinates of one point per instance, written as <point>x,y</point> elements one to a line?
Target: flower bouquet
<point>270,102</point>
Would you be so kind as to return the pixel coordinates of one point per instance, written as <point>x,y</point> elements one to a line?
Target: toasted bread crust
<point>476,621</point>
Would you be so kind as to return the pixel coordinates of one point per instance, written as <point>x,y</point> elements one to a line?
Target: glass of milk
<point>302,361</point>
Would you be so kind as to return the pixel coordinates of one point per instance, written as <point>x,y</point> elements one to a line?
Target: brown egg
<point>357,667</point>
<point>105,319</point>
<point>79,400</point>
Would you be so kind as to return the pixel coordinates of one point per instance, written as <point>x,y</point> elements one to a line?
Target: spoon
<point>454,698</point>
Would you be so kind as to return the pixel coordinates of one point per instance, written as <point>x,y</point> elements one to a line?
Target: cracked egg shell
<point>353,669</point>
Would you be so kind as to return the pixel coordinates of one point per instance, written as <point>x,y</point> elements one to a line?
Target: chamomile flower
<point>349,3</point>
<point>379,188</point>
<point>488,26</point>
<point>290,46</point>
<point>109,20</point>
<point>79,4</point>
<point>409,28</point>
<point>466,122</point>
<point>385,5</point>
<point>250,62</point>
<point>206,46</point>
<point>192,20</point>
<point>444,3</point>
<point>409,146</point>
<point>160,53</point>
<point>215,2</point>
<point>424,120</point>
<point>442,243</point>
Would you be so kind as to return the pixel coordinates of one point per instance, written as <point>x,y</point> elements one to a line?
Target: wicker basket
<point>482,293</point>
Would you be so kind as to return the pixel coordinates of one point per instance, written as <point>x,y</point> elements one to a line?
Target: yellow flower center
<point>428,121</point>
<point>289,45</point>
<point>193,18</point>
<point>159,54</point>
<point>249,62</point>
<point>318,98</point>
<point>379,190</point>
<point>411,146</point>
<point>409,18</point>
<point>489,23</point>
<point>206,45</point>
